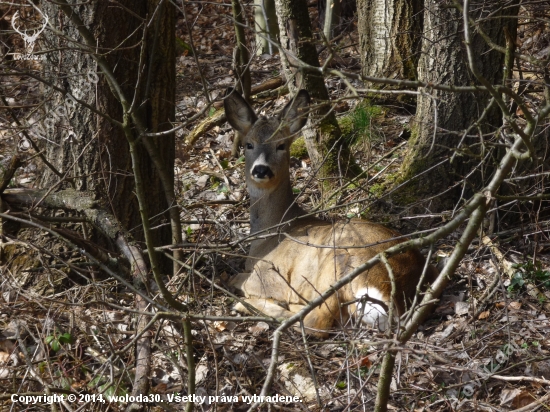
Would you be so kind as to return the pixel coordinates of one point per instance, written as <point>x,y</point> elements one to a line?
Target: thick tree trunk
<point>444,61</point>
<point>389,34</point>
<point>88,149</point>
<point>328,151</point>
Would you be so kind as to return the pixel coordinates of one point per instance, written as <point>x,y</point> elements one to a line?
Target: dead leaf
<point>445,309</point>
<point>7,346</point>
<point>160,388</point>
<point>462,308</point>
<point>515,305</point>
<point>484,315</point>
<point>220,326</point>
<point>77,385</point>
<point>201,372</point>
<point>500,305</point>
<point>507,396</point>
<point>519,112</point>
<point>224,276</point>
<point>366,362</point>
<point>258,328</point>
<point>523,399</point>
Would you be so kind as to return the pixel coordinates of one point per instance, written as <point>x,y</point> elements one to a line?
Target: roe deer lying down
<point>307,256</point>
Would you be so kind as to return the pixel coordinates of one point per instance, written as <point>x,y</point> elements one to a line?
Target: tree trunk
<point>389,36</point>
<point>328,151</point>
<point>267,28</point>
<point>444,61</point>
<point>342,12</point>
<point>241,67</point>
<point>332,18</point>
<point>90,151</point>
<point>241,57</point>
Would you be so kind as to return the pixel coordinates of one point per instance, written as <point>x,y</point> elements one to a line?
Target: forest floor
<point>486,344</point>
<point>486,347</point>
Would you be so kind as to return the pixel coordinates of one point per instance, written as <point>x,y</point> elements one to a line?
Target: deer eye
<point>281,146</point>
<point>249,146</point>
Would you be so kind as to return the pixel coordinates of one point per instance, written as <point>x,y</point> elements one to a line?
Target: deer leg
<point>319,319</point>
<point>316,322</point>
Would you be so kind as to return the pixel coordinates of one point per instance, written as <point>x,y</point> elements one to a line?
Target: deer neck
<point>270,208</point>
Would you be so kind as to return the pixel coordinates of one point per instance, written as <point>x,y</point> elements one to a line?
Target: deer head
<point>267,140</point>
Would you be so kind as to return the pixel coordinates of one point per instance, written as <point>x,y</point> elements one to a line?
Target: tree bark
<point>241,56</point>
<point>97,148</point>
<point>342,11</point>
<point>332,17</point>
<point>389,36</point>
<point>444,60</point>
<point>90,150</point>
<point>241,67</point>
<point>329,153</point>
<point>267,28</point>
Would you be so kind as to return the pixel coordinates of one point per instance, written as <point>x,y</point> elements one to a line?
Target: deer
<point>297,257</point>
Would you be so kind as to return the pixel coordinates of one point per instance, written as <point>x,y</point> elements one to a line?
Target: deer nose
<point>262,172</point>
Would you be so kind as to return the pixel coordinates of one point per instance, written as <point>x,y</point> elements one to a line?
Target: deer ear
<point>238,112</point>
<point>294,113</point>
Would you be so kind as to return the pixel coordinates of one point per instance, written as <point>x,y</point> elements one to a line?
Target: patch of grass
<point>357,125</point>
<point>341,385</point>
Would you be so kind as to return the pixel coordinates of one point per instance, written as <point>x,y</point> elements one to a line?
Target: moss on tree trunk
<point>327,149</point>
<point>444,61</point>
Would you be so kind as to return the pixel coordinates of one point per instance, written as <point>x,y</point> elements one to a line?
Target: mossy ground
<point>298,148</point>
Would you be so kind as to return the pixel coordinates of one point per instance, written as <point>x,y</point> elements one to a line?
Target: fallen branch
<point>217,119</point>
<point>536,404</point>
<point>109,226</point>
<point>69,199</point>
<point>7,175</point>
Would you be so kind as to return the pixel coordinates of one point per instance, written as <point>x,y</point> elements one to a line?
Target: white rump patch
<point>372,313</point>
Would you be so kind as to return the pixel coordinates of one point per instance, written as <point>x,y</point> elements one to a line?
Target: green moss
<point>327,127</point>
<point>377,189</point>
<point>406,196</point>
<point>409,168</point>
<point>337,158</point>
<point>392,177</point>
<point>346,124</point>
<point>298,148</point>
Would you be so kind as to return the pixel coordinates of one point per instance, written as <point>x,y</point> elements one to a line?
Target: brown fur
<point>307,256</point>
